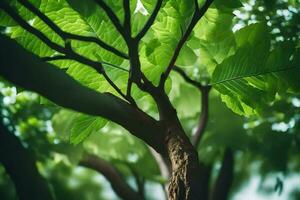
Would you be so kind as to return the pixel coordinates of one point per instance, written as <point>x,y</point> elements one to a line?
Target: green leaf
<point>187,57</point>
<point>255,34</point>
<point>249,79</point>
<point>83,126</point>
<point>247,61</point>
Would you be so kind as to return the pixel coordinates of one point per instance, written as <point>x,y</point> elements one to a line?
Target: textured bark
<point>185,181</point>
<point>20,166</point>
<point>166,136</point>
<point>186,175</point>
<point>115,179</point>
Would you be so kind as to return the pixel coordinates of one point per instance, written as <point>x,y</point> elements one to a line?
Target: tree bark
<point>185,181</point>
<point>20,165</point>
<point>166,136</point>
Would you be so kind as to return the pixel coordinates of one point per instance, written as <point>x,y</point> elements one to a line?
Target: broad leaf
<point>249,79</point>
<point>83,126</point>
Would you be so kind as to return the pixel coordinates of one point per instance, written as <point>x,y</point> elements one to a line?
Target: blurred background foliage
<point>266,147</point>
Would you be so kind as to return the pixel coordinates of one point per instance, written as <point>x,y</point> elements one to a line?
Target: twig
<point>65,35</point>
<point>187,78</point>
<point>63,57</point>
<point>203,119</point>
<point>150,21</point>
<point>204,89</point>
<point>198,13</point>
<point>54,58</point>
<point>111,15</point>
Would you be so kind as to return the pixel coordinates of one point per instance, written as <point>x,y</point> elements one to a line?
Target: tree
<point>77,54</point>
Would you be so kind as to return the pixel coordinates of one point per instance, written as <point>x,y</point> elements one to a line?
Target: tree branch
<point>122,189</point>
<point>21,167</point>
<point>198,14</point>
<point>127,18</point>
<point>63,57</point>
<point>66,35</point>
<point>187,78</point>
<point>15,16</point>
<point>150,21</point>
<point>204,89</point>
<point>67,50</point>
<point>26,70</point>
<point>196,138</point>
<point>111,15</point>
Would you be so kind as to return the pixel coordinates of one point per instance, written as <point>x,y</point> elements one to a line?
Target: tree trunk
<point>185,183</point>
<point>186,180</point>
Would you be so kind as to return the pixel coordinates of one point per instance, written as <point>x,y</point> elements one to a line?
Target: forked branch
<point>26,70</point>
<point>203,119</point>
<point>198,14</point>
<point>65,35</point>
<point>67,51</point>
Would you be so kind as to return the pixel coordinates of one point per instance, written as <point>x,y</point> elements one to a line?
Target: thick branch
<point>65,35</point>
<point>28,71</point>
<point>150,21</point>
<point>21,167</point>
<point>196,138</point>
<point>198,14</point>
<point>122,189</point>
